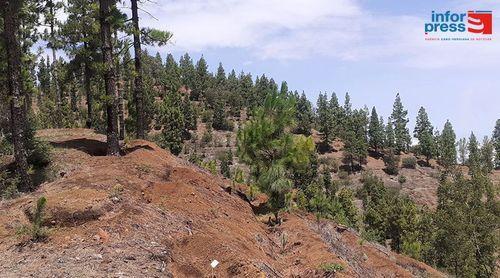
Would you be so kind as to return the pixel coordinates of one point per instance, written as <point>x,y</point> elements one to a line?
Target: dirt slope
<point>150,214</point>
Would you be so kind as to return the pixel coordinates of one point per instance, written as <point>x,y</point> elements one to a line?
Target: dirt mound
<point>148,213</point>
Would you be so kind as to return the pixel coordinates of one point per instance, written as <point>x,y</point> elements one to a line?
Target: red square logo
<point>480,22</point>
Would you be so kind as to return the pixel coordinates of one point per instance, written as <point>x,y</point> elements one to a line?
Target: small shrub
<point>409,162</point>
<point>238,176</point>
<point>331,267</point>
<point>116,193</point>
<point>330,162</point>
<point>391,163</point>
<point>206,116</point>
<point>207,136</point>
<point>211,166</point>
<point>39,153</point>
<point>401,179</point>
<point>343,174</point>
<point>252,192</point>
<point>284,241</point>
<point>8,186</point>
<point>36,231</point>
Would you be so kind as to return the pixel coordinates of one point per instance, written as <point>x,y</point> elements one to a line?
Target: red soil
<point>148,213</point>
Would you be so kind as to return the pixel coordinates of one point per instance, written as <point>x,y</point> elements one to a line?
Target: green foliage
<point>226,159</point>
<point>462,151</point>
<point>376,131</point>
<point>220,121</point>
<point>355,137</point>
<point>390,216</point>
<point>474,161</point>
<point>389,141</point>
<point>331,267</point>
<point>487,156</point>
<point>172,120</point>
<point>210,165</point>
<point>401,179</point>
<point>8,185</point>
<point>402,138</point>
<point>391,161</point>
<point>304,115</point>
<point>424,133</point>
<point>207,136</point>
<point>496,143</point>
<point>409,162</point>
<point>274,154</point>
<point>36,231</point>
<point>467,223</point>
<point>447,146</point>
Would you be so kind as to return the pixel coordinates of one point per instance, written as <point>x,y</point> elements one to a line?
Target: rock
<point>102,235</point>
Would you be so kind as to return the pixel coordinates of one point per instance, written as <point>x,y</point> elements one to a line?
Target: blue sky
<point>371,49</point>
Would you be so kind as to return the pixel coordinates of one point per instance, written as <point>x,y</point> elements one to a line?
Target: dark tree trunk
<point>17,95</point>
<point>57,89</point>
<point>109,77</point>
<point>88,93</point>
<point>138,86</point>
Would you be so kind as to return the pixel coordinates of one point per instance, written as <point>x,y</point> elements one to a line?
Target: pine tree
<point>376,131</point>
<point>220,78</point>
<point>284,88</point>
<point>220,121</point>
<point>337,115</point>
<point>189,114</point>
<point>389,135</point>
<point>201,80</point>
<point>273,154</point>
<point>399,115</point>
<point>50,11</point>
<point>304,115</point>
<point>172,74</point>
<point>355,138</point>
<point>462,151</point>
<point>172,120</point>
<point>424,133</point>
<point>187,71</point>
<point>496,143</point>
<point>138,82</point>
<point>324,120</point>
<point>487,156</point>
<point>474,161</point>
<point>17,95</point>
<point>447,146</point>
<point>105,8</point>
<point>235,98</point>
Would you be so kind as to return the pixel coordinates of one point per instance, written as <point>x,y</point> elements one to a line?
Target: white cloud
<point>300,29</point>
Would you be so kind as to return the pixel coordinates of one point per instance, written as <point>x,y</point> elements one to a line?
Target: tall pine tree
<point>424,133</point>
<point>447,146</point>
<point>376,131</point>
<point>399,117</point>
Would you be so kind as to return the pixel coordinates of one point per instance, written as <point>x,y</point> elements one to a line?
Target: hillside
<point>148,213</point>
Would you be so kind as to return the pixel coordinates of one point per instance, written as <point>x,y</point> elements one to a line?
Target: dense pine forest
<point>100,76</point>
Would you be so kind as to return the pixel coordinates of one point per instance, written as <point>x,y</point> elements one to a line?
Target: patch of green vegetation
<point>35,230</point>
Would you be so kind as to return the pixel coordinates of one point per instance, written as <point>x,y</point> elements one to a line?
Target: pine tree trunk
<point>88,93</point>
<point>109,77</point>
<point>17,94</point>
<point>57,88</point>
<point>119,88</point>
<point>138,89</point>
